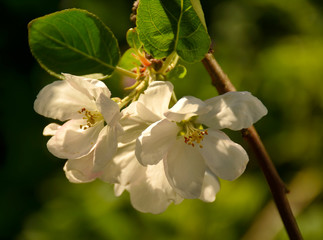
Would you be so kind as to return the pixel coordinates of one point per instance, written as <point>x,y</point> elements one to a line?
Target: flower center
<point>91,117</point>
<point>193,136</point>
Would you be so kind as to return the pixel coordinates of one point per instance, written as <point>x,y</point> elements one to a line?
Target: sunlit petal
<point>90,87</point>
<point>109,109</point>
<point>132,128</point>
<point>157,96</point>
<point>225,158</point>
<point>51,129</point>
<point>154,142</point>
<point>186,108</point>
<point>146,114</point>
<point>233,110</point>
<point>70,141</point>
<point>59,100</point>
<point>211,186</point>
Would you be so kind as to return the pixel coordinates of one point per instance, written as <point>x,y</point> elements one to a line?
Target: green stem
<point>174,98</point>
<point>126,72</point>
<point>133,94</point>
<point>167,62</point>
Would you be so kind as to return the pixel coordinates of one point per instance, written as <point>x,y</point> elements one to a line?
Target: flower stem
<point>140,87</point>
<point>223,84</point>
<point>168,62</point>
<point>126,72</point>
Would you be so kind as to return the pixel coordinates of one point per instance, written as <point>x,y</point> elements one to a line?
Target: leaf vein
<point>76,50</point>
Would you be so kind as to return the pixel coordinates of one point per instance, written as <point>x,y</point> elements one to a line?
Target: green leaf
<point>178,72</point>
<point>128,61</point>
<point>165,26</point>
<point>73,41</point>
<point>199,11</point>
<point>133,39</point>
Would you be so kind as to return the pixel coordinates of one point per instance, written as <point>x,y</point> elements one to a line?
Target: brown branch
<point>223,84</point>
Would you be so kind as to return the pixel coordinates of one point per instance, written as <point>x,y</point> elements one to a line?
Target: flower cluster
<point>158,149</point>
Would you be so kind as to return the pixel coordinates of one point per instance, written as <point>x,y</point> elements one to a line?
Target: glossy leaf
<point>73,41</point>
<point>199,11</point>
<point>165,26</point>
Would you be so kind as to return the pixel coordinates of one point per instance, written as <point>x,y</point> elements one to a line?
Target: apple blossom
<point>88,138</point>
<point>148,186</point>
<point>189,143</point>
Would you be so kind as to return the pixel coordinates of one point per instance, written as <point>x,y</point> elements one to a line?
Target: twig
<point>223,84</point>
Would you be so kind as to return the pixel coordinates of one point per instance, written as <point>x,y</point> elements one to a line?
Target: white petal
<point>131,169</point>
<point>145,114</point>
<point>60,101</point>
<point>51,129</point>
<point>148,187</point>
<point>211,186</point>
<point>109,109</point>
<point>185,169</point>
<point>151,105</point>
<point>81,170</point>
<point>132,127</point>
<point>154,142</point>
<point>90,87</point>
<point>72,142</point>
<point>124,167</point>
<point>132,123</point>
<point>152,192</point>
<point>186,108</point>
<point>130,110</point>
<point>139,113</point>
<point>106,147</point>
<point>118,189</point>
<point>233,110</point>
<point>156,97</point>
<point>92,75</point>
<point>225,158</point>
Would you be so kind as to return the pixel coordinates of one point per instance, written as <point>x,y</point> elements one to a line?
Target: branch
<point>223,84</point>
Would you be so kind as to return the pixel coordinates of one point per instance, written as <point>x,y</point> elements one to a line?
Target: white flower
<point>89,137</point>
<point>187,150</point>
<point>148,186</point>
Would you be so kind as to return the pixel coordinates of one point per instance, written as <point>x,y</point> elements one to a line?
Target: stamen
<point>194,136</point>
<point>91,117</point>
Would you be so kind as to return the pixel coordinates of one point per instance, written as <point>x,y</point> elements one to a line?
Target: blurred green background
<point>271,48</point>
